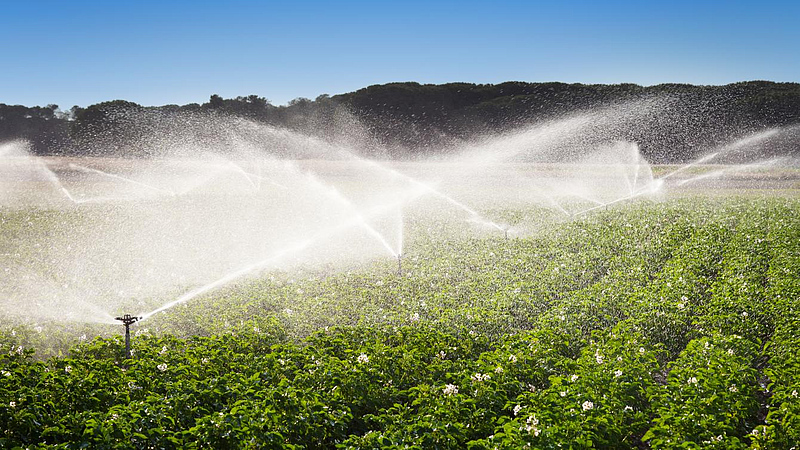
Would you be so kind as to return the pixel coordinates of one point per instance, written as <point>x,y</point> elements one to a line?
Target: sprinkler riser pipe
<point>127,320</point>
<point>127,342</point>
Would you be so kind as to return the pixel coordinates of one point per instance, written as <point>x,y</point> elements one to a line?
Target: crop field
<point>664,321</point>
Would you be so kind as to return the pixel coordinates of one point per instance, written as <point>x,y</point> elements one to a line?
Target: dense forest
<point>407,120</point>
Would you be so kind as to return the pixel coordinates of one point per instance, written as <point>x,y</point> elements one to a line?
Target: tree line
<point>411,119</point>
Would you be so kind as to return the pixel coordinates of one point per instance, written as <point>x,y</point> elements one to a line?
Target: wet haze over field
<point>222,199</point>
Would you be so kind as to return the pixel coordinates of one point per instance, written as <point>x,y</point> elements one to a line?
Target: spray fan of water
<point>89,238</point>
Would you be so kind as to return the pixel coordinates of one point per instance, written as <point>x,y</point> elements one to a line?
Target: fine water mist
<point>212,200</point>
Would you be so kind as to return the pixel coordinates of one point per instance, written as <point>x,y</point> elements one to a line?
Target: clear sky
<point>71,52</point>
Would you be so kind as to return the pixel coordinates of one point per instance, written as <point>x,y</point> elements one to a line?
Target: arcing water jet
<point>121,178</point>
<point>320,236</point>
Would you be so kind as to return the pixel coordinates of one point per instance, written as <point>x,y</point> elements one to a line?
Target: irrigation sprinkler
<point>399,265</point>
<point>127,320</point>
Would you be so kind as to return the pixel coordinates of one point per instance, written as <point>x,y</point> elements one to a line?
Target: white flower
<point>38,329</point>
<point>587,405</point>
<point>162,367</point>
<point>617,373</point>
<point>481,377</point>
<point>498,369</point>
<point>256,330</point>
<point>641,349</point>
<point>691,380</point>
<point>68,369</point>
<point>5,373</point>
<point>744,313</point>
<point>450,389</point>
<point>562,393</point>
<point>163,350</point>
<point>627,408</point>
<point>573,378</point>
<point>512,358</point>
<point>733,388</point>
<point>12,404</point>
<point>363,358</point>
<point>730,351</point>
<point>681,306</point>
<point>531,425</point>
<point>415,317</point>
<point>442,354</point>
<point>794,393</point>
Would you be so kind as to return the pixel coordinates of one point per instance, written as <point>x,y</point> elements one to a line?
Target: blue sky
<point>161,52</point>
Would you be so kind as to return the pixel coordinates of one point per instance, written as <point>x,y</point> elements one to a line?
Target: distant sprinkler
<point>400,264</point>
<point>127,320</point>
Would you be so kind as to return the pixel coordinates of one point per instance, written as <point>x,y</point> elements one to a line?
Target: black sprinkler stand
<point>127,320</point>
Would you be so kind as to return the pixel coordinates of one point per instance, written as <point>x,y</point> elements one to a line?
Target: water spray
<point>121,178</point>
<point>127,320</point>
<point>320,236</point>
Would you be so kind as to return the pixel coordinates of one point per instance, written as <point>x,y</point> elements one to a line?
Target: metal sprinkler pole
<point>127,320</point>
<point>399,265</point>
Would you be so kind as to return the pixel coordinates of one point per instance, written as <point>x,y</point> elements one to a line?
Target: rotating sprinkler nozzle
<point>127,320</point>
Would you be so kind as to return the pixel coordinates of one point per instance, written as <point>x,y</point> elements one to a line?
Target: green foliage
<point>622,330</point>
<point>709,398</point>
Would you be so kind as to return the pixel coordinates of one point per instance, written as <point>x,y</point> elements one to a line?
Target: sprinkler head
<point>127,319</point>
